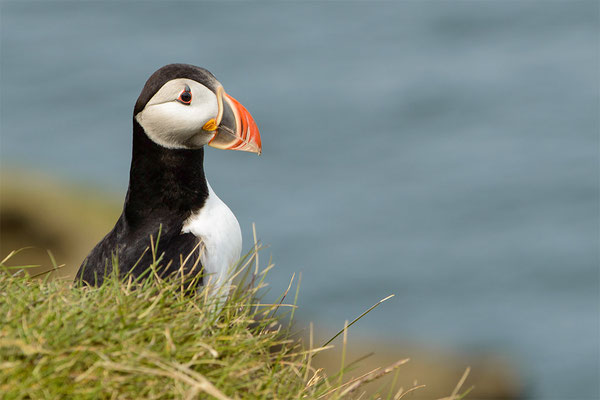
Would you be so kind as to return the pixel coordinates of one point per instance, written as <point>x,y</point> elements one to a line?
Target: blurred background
<point>444,152</point>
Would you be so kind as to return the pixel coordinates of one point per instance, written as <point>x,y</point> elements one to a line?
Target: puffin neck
<point>165,185</point>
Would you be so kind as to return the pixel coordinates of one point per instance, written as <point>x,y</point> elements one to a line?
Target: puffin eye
<point>186,96</point>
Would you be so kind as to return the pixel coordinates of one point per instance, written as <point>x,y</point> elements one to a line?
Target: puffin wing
<point>178,253</point>
<point>182,255</point>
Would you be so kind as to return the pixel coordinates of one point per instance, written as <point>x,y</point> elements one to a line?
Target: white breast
<point>221,237</point>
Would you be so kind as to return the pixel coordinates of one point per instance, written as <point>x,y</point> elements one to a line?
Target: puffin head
<point>184,107</point>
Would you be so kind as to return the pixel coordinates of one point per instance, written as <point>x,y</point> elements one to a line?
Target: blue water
<point>447,153</point>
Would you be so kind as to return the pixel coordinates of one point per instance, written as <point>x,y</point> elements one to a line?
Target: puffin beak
<point>235,127</point>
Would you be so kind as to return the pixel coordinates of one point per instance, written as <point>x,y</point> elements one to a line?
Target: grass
<point>157,338</point>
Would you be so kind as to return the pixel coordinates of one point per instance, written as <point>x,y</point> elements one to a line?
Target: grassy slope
<point>153,339</point>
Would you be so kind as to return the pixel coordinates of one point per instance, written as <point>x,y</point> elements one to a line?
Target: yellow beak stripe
<point>211,125</point>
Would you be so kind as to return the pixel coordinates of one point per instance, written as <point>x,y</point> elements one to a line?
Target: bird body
<point>180,109</point>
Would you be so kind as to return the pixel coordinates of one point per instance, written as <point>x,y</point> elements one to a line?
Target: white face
<point>171,123</point>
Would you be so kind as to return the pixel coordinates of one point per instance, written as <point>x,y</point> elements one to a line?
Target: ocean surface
<point>444,152</point>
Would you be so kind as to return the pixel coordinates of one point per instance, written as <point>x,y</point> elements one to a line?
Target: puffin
<point>181,109</point>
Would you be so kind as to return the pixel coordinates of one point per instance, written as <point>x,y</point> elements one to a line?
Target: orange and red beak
<point>235,127</point>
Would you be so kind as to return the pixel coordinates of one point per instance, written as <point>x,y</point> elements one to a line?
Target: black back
<point>165,187</point>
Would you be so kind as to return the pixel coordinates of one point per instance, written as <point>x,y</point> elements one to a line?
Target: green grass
<point>158,338</point>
